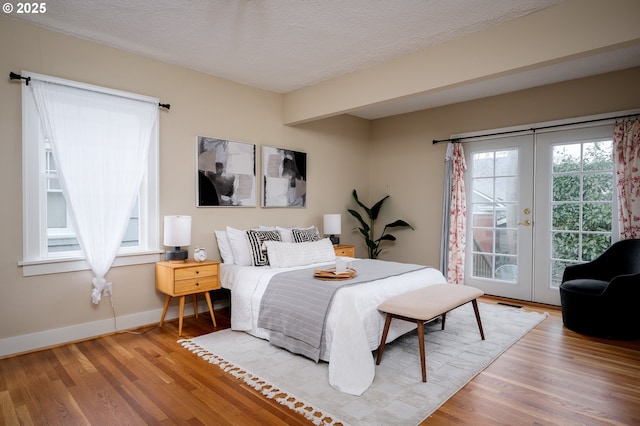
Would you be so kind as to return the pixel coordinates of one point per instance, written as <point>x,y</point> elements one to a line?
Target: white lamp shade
<point>332,224</point>
<point>177,231</point>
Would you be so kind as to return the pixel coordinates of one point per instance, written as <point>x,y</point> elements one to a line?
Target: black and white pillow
<point>305,235</point>
<point>258,250</point>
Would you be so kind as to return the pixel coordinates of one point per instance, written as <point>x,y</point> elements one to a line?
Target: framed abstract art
<point>226,173</point>
<point>284,177</point>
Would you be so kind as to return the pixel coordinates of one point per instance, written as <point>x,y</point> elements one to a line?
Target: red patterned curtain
<point>626,156</point>
<point>458,218</point>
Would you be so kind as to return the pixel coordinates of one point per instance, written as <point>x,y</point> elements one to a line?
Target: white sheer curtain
<point>99,142</point>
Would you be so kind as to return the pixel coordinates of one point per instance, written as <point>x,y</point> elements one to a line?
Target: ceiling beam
<point>568,31</point>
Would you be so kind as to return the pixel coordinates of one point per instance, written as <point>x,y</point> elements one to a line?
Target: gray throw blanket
<point>294,306</point>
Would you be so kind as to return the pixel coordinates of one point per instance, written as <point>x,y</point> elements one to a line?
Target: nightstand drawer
<point>196,272</point>
<point>344,250</point>
<point>196,285</point>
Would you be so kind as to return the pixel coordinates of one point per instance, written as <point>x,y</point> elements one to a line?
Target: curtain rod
<point>14,76</point>
<point>533,129</point>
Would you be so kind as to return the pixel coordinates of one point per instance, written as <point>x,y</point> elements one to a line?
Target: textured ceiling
<point>284,45</point>
<point>277,45</point>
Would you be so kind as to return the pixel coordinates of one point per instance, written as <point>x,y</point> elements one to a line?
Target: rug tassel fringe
<point>262,386</point>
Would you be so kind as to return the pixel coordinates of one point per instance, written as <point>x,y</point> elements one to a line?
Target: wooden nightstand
<point>344,250</point>
<point>184,279</point>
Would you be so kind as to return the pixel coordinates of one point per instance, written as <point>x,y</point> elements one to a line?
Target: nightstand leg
<point>164,310</point>
<point>208,298</point>
<point>195,304</point>
<point>181,316</point>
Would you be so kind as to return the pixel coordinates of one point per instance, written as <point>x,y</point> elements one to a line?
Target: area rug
<point>397,396</point>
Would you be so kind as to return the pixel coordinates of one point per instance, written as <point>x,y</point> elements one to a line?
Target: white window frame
<point>36,258</point>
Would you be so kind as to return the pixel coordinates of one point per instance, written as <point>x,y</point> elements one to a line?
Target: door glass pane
<point>566,216</point>
<point>598,187</point>
<point>483,164</point>
<point>494,206</point>
<point>506,163</point>
<point>582,203</point>
<point>566,187</point>
<point>598,156</point>
<point>506,188</point>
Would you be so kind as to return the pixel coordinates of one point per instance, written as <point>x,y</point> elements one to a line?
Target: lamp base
<point>177,255</point>
<point>334,240</point>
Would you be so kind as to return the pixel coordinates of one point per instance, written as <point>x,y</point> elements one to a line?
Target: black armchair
<point>601,298</point>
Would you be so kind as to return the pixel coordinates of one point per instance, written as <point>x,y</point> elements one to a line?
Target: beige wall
<point>337,151</point>
<point>392,156</point>
<point>406,165</point>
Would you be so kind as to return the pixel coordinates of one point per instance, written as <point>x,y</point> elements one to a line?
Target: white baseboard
<point>48,338</point>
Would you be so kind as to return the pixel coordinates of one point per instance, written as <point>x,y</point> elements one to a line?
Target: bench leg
<point>387,323</point>
<point>444,318</point>
<point>477,312</point>
<point>422,355</point>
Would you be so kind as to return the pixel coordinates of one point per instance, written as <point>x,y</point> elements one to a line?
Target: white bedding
<point>353,327</point>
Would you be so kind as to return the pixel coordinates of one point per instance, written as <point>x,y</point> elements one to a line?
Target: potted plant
<point>367,228</point>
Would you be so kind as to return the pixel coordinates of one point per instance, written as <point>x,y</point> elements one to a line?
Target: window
<point>50,243</point>
<point>583,202</point>
<point>494,203</point>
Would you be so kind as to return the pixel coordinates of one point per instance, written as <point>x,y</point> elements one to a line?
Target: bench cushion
<point>429,302</point>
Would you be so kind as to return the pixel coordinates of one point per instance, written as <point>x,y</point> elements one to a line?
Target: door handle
<point>525,223</point>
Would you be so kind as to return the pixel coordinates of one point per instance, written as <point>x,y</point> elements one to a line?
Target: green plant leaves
<point>367,229</point>
<point>397,223</point>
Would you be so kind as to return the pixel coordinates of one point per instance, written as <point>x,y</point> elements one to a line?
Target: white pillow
<point>284,255</point>
<point>286,233</point>
<point>239,246</point>
<point>224,247</point>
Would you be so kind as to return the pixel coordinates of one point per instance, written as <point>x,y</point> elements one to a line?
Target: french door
<point>535,204</point>
<point>498,183</point>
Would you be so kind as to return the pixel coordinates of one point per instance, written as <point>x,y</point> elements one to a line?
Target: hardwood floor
<point>551,376</point>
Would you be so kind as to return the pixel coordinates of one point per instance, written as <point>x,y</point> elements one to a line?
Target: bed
<point>353,324</point>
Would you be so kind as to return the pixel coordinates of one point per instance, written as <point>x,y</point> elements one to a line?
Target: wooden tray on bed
<point>330,274</point>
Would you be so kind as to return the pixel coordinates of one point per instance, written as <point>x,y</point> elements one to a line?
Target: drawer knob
<point>197,284</point>
<point>197,272</point>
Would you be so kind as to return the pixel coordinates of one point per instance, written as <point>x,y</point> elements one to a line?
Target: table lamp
<point>332,225</point>
<point>177,233</point>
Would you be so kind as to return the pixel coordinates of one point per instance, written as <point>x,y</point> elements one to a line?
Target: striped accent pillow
<point>256,243</point>
<point>305,235</point>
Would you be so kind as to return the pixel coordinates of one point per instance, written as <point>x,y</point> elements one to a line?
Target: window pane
<point>506,189</point>
<point>483,189</point>
<point>565,246</point>
<point>593,245</point>
<point>598,156</point>
<point>482,215</point>
<point>596,217</point>
<point>598,187</point>
<point>482,265</point>
<point>482,164</point>
<point>557,271</point>
<point>566,217</point>
<point>506,268</point>
<point>483,240</point>
<point>56,211</point>
<point>566,158</point>
<point>566,188</point>
<point>506,163</point>
<point>506,241</point>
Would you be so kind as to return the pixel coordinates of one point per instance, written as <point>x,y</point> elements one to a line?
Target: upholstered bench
<point>426,304</point>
